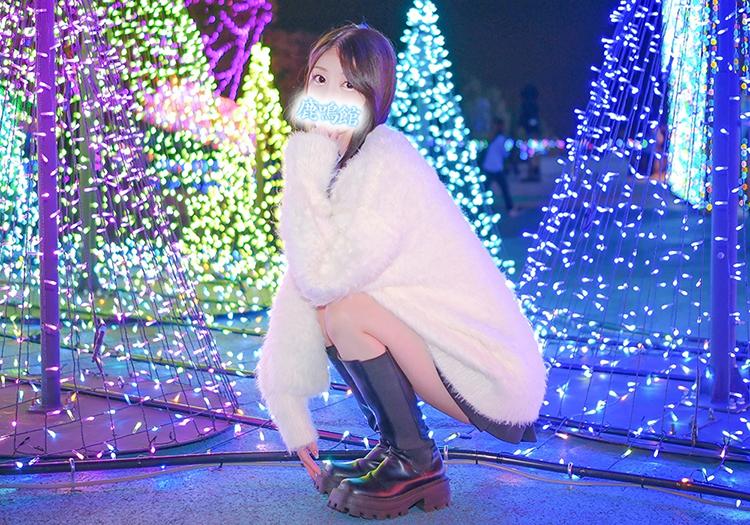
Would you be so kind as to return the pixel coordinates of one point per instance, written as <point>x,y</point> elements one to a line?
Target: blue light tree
<point>633,291</point>
<point>18,204</point>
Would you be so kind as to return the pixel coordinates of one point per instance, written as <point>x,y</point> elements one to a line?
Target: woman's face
<point>327,82</point>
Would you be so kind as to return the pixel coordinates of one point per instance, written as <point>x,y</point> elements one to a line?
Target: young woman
<point>388,281</point>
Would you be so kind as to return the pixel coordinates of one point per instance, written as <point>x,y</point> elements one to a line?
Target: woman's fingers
<point>309,463</point>
<point>305,458</point>
<point>315,467</point>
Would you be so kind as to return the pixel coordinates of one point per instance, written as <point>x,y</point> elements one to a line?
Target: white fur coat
<point>392,230</point>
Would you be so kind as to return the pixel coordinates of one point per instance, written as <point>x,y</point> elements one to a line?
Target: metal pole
<point>724,200</point>
<point>48,210</point>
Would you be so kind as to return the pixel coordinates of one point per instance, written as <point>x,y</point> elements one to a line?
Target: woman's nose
<point>333,93</point>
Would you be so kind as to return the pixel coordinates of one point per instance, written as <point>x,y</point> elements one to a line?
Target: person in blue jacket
<point>493,164</point>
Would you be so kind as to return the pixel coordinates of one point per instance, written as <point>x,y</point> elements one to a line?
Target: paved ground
<point>282,493</point>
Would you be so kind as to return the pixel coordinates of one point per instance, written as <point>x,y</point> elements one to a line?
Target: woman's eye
<point>349,85</point>
<point>315,77</point>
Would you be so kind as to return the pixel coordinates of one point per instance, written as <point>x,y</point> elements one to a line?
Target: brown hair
<point>369,63</point>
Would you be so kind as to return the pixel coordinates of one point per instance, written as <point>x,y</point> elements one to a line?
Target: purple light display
<point>229,30</point>
<point>130,363</point>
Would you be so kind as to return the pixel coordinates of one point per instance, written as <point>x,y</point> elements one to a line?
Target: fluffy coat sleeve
<point>331,251</point>
<point>335,252</point>
<point>293,365</point>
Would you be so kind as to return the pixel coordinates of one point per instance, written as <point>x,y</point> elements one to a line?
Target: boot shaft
<point>390,395</point>
<point>335,358</point>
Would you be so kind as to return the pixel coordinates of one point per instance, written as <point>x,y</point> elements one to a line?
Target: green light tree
<point>242,233</point>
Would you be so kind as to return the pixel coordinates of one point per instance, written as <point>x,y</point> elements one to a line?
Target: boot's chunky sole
<point>431,496</point>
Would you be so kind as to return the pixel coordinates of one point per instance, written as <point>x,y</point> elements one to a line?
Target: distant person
<point>493,164</point>
<point>658,150</point>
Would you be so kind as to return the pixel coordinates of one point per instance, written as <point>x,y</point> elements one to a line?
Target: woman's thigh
<point>360,312</point>
<point>320,312</point>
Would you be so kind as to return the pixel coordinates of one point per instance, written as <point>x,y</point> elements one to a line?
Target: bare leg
<point>361,328</point>
<point>320,312</point>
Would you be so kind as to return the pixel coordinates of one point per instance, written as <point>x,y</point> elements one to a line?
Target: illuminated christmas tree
<point>195,141</point>
<point>106,350</point>
<point>687,26</point>
<point>235,218</point>
<point>640,297</point>
<point>167,73</point>
<point>426,109</point>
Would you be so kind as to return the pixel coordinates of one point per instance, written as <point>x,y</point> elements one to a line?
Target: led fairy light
<point>108,205</point>
<point>426,109</point>
<point>686,27</point>
<point>230,30</point>
<point>743,51</point>
<point>743,62</point>
<point>175,93</point>
<point>617,280</point>
<point>241,237</point>
<point>18,204</point>
<point>261,103</point>
<point>527,148</point>
<point>196,143</point>
<point>163,58</point>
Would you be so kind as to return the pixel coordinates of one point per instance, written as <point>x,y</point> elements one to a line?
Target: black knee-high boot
<point>412,471</point>
<point>334,472</point>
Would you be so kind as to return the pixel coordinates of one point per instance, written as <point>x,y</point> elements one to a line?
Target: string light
<point>234,222</point>
<point>118,256</point>
<point>215,159</point>
<point>614,281</point>
<point>230,30</point>
<point>686,38</point>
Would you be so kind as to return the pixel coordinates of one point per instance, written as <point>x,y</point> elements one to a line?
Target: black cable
<point>47,467</point>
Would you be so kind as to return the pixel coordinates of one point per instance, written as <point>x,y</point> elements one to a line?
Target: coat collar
<point>357,168</point>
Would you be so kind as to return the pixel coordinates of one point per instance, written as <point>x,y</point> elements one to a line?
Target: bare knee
<point>341,316</point>
<point>346,320</point>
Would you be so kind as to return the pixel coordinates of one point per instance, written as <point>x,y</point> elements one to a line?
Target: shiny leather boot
<point>333,472</point>
<point>412,471</point>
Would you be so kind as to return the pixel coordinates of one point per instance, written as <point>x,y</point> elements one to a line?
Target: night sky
<point>507,43</point>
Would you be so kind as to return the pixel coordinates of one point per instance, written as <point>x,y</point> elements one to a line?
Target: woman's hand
<point>309,463</point>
